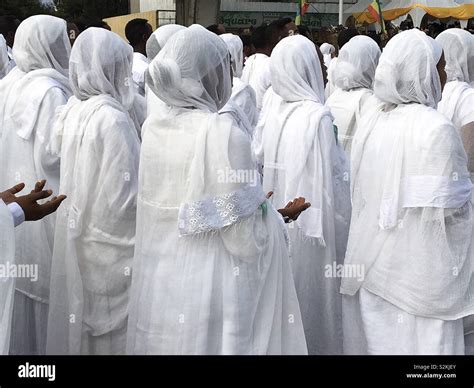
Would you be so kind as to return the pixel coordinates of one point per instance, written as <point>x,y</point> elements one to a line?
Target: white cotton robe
<point>7,283</point>
<point>95,228</point>
<point>458,106</point>
<point>211,268</point>
<point>301,159</point>
<point>411,234</point>
<point>242,105</point>
<point>354,77</point>
<point>30,95</point>
<point>256,73</point>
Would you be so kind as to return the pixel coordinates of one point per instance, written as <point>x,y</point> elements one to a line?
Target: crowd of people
<point>199,192</point>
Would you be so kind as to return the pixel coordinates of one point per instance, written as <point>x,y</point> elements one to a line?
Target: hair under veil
<point>407,70</point>
<point>158,39</point>
<point>182,77</point>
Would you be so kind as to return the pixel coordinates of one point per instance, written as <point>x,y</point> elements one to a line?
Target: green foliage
<point>90,10</point>
<point>23,8</point>
<point>85,11</point>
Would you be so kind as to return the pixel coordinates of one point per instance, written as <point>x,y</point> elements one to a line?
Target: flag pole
<point>341,12</point>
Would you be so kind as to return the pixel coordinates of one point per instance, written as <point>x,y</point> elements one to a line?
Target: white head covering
<point>327,50</point>
<point>236,50</point>
<point>356,64</point>
<point>297,100</point>
<point>182,77</point>
<point>159,38</point>
<point>4,60</point>
<point>296,71</point>
<point>41,42</point>
<point>95,71</point>
<point>407,70</point>
<point>458,46</point>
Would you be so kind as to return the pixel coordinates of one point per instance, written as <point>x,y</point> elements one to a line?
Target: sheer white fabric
<point>458,46</point>
<point>159,38</point>
<point>7,284</point>
<point>458,95</point>
<point>139,67</point>
<point>327,50</point>
<point>4,59</point>
<point>331,86</point>
<point>256,73</point>
<point>296,119</point>
<point>354,76</point>
<point>378,327</point>
<point>154,45</point>
<point>218,279</point>
<point>236,50</point>
<point>95,228</point>
<point>242,105</point>
<point>412,226</point>
<point>394,80</point>
<point>30,95</point>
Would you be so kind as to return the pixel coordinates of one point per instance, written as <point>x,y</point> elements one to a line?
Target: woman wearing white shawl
<point>30,95</point>
<point>154,45</point>
<point>354,76</point>
<point>412,220</point>
<point>4,59</point>
<point>242,106</point>
<point>458,95</point>
<point>95,230</point>
<point>458,106</point>
<point>328,51</point>
<point>211,268</point>
<point>301,159</point>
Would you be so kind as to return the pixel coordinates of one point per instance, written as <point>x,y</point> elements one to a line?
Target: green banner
<point>234,19</point>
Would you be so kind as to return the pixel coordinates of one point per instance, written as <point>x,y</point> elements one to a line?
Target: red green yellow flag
<point>376,11</point>
<point>303,7</point>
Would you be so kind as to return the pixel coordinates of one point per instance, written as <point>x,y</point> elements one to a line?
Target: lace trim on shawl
<point>218,212</point>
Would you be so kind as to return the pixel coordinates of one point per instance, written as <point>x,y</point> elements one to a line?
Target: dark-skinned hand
<point>293,210</point>
<point>29,203</point>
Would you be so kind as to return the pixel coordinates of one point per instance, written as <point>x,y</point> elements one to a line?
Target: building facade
<point>239,14</point>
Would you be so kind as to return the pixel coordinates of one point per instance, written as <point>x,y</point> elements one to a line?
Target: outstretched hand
<point>294,209</point>
<point>29,203</point>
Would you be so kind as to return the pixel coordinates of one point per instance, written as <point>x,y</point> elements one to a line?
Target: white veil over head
<point>159,38</point>
<point>356,64</point>
<point>182,77</point>
<point>236,50</point>
<point>327,50</point>
<point>296,71</point>
<point>95,71</point>
<point>407,71</point>
<point>4,60</point>
<point>458,46</point>
<point>42,42</point>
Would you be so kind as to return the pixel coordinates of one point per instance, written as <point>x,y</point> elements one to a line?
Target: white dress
<point>301,159</point>
<point>95,227</point>
<point>211,268</point>
<point>412,227</point>
<point>256,73</point>
<point>7,284</point>
<point>31,93</point>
